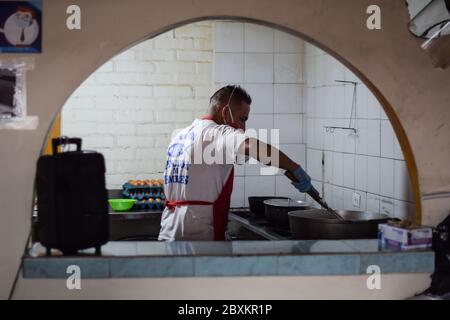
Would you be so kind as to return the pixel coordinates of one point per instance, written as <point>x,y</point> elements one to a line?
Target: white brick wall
<point>129,107</point>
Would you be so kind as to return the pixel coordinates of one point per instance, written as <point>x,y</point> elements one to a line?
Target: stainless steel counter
<point>262,231</point>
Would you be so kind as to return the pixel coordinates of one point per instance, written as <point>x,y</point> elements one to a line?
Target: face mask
<point>232,124</point>
<point>22,21</point>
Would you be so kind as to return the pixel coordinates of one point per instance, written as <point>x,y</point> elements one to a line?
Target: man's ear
<point>224,112</point>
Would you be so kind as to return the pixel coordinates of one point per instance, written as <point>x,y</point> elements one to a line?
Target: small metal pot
<point>277,210</point>
<point>257,204</point>
<point>320,224</point>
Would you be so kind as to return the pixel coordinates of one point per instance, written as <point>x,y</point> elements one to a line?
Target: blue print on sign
<point>175,150</point>
<point>176,172</point>
<point>176,179</point>
<point>176,163</point>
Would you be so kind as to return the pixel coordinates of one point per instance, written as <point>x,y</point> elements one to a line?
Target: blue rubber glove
<point>304,184</point>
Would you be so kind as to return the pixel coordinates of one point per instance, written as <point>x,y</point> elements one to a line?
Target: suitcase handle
<point>65,141</point>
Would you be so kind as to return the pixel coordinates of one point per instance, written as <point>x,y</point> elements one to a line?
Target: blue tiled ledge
<point>240,258</point>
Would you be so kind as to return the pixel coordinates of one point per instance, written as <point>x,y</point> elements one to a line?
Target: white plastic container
<point>405,238</point>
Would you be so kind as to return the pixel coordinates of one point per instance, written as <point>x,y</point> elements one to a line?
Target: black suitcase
<point>72,199</point>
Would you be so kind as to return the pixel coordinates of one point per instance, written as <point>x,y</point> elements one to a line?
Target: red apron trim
<point>221,207</point>
<point>171,205</point>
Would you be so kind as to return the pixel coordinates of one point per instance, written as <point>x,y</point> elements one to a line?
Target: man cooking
<point>200,168</point>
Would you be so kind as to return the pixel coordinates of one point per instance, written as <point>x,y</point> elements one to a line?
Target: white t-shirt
<point>199,162</point>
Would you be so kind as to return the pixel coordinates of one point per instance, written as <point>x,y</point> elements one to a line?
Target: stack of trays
<point>148,193</point>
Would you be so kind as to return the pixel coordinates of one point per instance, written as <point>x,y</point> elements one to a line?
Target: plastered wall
<point>414,94</point>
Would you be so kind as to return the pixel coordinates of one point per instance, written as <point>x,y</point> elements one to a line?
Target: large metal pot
<point>320,224</point>
<point>277,210</point>
<point>257,204</point>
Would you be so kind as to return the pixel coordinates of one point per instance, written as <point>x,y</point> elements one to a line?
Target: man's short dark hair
<point>222,96</point>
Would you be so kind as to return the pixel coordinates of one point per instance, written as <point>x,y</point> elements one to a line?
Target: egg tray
<point>127,187</point>
<point>145,204</point>
<point>141,195</point>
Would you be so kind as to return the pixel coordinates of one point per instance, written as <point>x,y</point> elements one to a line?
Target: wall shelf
<point>331,129</point>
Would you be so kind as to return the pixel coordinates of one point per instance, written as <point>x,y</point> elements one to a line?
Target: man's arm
<point>271,156</point>
<point>267,154</point>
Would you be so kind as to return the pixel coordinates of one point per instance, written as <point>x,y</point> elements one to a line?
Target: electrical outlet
<point>356,199</point>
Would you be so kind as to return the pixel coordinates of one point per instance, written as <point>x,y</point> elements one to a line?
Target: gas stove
<point>242,221</point>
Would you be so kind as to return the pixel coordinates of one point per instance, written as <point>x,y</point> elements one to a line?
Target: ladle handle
<point>290,176</point>
<point>313,193</point>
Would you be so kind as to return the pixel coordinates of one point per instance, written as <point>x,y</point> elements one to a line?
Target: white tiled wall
<point>370,163</point>
<point>268,64</point>
<point>293,89</point>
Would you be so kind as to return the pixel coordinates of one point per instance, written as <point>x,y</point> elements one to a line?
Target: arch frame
<point>387,107</point>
